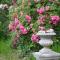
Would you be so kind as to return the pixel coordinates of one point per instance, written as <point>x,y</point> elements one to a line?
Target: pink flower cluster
<point>16,23</point>
<point>55,19</point>
<point>28,18</point>
<point>23,29</point>
<point>41,10</point>
<point>13,25</point>
<point>35,38</point>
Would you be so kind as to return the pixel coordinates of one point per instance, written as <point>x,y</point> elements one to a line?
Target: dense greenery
<point>23,7</point>
<point>6,2</point>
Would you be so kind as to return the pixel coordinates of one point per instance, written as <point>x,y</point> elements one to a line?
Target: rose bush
<point>28,17</point>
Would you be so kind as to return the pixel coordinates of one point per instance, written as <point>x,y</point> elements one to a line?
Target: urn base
<point>46,54</point>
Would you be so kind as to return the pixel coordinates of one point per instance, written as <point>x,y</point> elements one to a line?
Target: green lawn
<point>7,53</point>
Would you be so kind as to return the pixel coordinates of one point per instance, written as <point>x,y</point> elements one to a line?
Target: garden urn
<point>46,40</point>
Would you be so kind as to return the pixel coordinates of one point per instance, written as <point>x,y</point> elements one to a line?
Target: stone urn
<point>46,40</point>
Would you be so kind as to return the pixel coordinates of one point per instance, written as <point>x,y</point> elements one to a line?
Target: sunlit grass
<point>7,53</point>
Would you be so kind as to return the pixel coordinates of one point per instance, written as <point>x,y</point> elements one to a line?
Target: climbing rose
<point>41,10</point>
<point>55,19</point>
<point>23,29</point>
<point>35,38</point>
<point>28,18</point>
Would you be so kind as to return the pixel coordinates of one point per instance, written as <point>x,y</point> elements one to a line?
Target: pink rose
<point>55,19</point>
<point>23,29</point>
<point>41,10</point>
<point>21,26</point>
<point>35,38</point>
<point>28,18</point>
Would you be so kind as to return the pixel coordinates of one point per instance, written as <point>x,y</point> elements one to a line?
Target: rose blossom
<point>55,19</point>
<point>41,10</point>
<point>35,38</point>
<point>28,18</point>
<point>23,29</point>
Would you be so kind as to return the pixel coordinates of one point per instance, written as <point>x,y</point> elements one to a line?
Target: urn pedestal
<point>45,53</point>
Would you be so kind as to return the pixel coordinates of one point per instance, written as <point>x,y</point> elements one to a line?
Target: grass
<point>4,47</point>
<point>56,47</point>
<point>7,53</point>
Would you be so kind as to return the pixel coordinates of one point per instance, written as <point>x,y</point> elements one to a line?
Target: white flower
<point>1,6</point>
